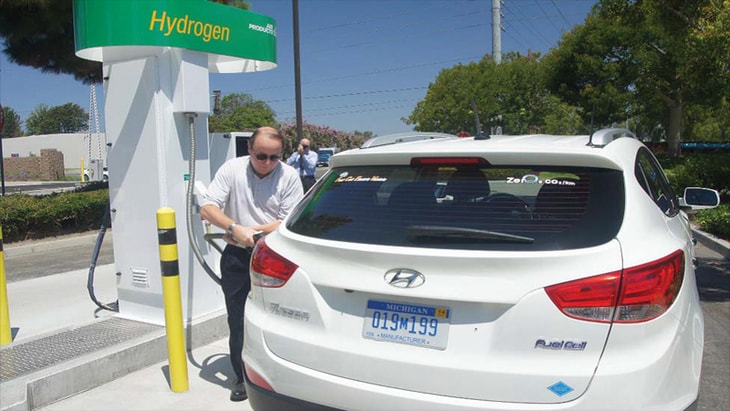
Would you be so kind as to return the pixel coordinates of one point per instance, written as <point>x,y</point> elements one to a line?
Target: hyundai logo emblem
<point>404,278</point>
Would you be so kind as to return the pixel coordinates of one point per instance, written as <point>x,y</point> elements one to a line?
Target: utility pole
<point>2,158</point>
<point>2,126</point>
<point>297,74</point>
<point>497,31</point>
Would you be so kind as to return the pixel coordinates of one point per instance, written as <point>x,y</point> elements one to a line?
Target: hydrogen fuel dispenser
<point>157,56</point>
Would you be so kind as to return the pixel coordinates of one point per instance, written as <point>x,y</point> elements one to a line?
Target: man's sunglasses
<point>263,157</point>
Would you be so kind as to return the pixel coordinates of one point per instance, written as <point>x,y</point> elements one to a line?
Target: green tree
<point>708,123</point>
<point>647,60</point>
<point>239,112</point>
<point>12,127</point>
<point>68,118</point>
<point>40,34</point>
<point>588,70</point>
<point>447,106</point>
<point>677,65</point>
<point>562,118</point>
<point>511,96</point>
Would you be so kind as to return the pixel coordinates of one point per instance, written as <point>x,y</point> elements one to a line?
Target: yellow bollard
<point>6,337</point>
<point>167,239</point>
<point>83,176</point>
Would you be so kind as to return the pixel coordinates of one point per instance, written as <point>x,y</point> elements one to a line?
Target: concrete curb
<point>715,244</point>
<point>47,386</point>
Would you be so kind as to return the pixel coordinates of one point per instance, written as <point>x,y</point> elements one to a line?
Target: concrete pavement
<point>209,376</point>
<point>63,358</point>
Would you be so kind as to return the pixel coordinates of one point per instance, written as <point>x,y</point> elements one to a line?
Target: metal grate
<point>25,358</point>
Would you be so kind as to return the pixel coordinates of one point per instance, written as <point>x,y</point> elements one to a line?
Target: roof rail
<point>402,138</point>
<point>601,138</point>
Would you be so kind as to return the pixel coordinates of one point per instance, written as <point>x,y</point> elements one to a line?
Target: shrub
<point>25,217</point>
<point>711,170</point>
<point>715,221</point>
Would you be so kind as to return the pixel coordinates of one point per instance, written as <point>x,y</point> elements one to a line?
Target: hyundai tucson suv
<point>430,272</point>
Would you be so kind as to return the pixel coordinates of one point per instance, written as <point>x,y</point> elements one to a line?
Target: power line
<point>514,15</point>
<point>411,12</point>
<point>546,16</point>
<point>354,93</point>
<point>520,23</point>
<point>561,13</point>
<point>311,111</point>
<point>357,111</point>
<point>508,20</point>
<point>368,20</point>
<point>365,43</point>
<point>389,70</point>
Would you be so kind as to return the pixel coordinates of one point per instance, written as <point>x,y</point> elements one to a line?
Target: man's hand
<point>300,149</point>
<point>241,236</point>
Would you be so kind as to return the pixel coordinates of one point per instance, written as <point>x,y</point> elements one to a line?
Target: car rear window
<point>464,207</point>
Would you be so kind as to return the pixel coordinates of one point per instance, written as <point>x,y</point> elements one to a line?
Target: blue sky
<point>364,63</point>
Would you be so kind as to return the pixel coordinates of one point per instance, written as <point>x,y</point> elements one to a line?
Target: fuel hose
<point>105,223</point>
<point>189,203</point>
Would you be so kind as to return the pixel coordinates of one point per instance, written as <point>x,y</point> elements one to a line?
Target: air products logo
<point>269,29</point>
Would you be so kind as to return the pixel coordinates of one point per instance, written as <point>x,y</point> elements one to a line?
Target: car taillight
<point>638,294</point>
<point>268,268</point>
<point>591,299</point>
<point>650,289</point>
<point>256,378</point>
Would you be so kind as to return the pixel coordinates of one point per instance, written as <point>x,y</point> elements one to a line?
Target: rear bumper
<point>265,400</point>
<point>298,388</point>
<point>630,380</point>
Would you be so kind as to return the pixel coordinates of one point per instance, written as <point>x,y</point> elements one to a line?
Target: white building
<point>76,147</point>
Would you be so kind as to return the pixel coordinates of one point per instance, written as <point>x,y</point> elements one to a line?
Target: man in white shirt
<point>248,195</point>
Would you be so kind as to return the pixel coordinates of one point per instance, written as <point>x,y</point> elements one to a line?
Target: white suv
<point>430,272</point>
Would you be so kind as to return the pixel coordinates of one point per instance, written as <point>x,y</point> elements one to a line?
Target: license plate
<point>420,325</point>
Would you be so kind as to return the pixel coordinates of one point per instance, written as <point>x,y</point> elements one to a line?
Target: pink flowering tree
<point>320,136</point>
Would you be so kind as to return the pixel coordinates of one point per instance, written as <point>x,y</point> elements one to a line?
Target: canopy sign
<point>236,40</point>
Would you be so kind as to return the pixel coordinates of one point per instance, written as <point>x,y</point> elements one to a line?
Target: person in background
<point>304,161</point>
<point>249,195</point>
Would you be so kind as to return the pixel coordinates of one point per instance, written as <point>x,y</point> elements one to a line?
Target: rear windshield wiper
<point>416,232</point>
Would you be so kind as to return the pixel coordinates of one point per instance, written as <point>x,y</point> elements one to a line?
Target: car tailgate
<point>502,338</point>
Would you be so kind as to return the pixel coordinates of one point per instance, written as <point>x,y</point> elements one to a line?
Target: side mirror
<point>698,198</point>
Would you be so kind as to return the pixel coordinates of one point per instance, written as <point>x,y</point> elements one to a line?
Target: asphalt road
<point>713,277</point>
<point>72,253</point>
<point>38,188</point>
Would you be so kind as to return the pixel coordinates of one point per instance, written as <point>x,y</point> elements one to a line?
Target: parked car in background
<point>323,160</point>
<point>323,156</point>
<point>88,175</point>
<point>482,273</point>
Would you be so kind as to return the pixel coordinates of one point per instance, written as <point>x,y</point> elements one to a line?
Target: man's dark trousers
<point>236,284</point>
<point>308,182</point>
